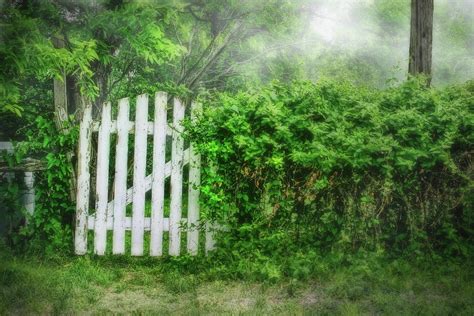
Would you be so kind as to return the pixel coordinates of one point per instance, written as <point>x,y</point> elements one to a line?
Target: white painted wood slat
<point>102,184</point>
<point>83,181</point>
<point>158,183</point>
<point>193,192</point>
<point>120,189</point>
<point>138,209</point>
<point>176,178</point>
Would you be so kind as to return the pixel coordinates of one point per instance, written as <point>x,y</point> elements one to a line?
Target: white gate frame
<point>110,215</point>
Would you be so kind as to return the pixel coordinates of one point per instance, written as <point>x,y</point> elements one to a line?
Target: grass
<point>132,285</point>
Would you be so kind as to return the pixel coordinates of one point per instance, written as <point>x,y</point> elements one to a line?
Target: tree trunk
<point>61,101</point>
<point>421,38</point>
<point>60,94</point>
<point>66,94</point>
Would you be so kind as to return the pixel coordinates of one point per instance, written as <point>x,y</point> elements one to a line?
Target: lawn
<point>112,285</point>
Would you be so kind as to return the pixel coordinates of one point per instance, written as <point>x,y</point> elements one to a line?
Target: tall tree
<point>421,38</point>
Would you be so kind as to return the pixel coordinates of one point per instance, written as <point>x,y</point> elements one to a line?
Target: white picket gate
<point>111,215</point>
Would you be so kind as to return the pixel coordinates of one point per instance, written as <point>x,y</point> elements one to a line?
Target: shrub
<point>330,167</point>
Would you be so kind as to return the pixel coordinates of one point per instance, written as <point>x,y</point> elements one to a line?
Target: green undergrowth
<point>373,285</point>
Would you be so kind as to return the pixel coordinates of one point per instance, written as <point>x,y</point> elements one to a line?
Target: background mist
<point>366,42</point>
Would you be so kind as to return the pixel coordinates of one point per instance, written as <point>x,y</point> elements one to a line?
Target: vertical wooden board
<point>176,178</point>
<point>83,181</point>
<point>138,208</point>
<point>120,189</point>
<point>102,183</point>
<point>158,185</point>
<point>193,192</point>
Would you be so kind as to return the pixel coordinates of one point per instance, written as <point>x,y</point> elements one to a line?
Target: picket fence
<point>111,215</point>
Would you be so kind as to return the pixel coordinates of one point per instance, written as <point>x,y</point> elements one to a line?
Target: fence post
<point>210,242</point>
<point>29,194</point>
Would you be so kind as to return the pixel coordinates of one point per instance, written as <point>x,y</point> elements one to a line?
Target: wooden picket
<point>83,182</point>
<point>102,184</point>
<point>176,178</point>
<point>158,184</point>
<point>193,192</point>
<point>120,189</point>
<point>138,214</point>
<point>111,215</point>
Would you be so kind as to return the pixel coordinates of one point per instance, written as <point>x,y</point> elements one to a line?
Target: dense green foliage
<point>306,169</point>
<point>112,49</point>
<point>98,46</point>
